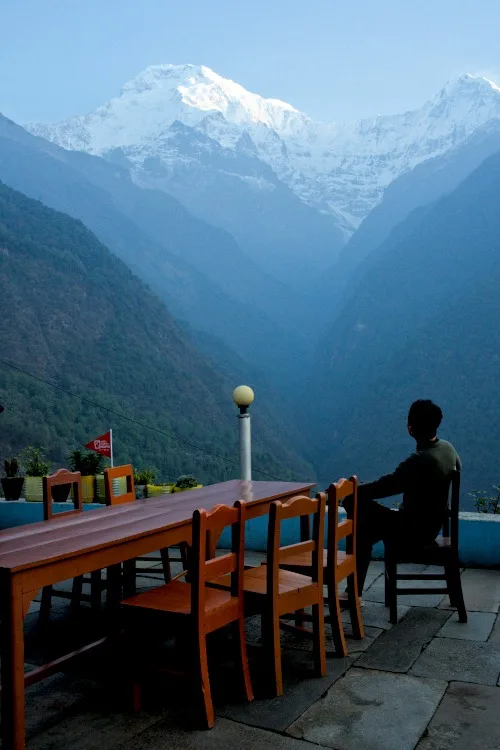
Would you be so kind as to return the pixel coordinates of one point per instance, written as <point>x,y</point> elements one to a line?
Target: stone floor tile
<point>93,730</point>
<point>376,615</point>
<point>50,701</point>
<point>397,649</point>
<point>477,628</point>
<point>225,734</point>
<point>465,661</point>
<point>467,717</point>
<point>371,710</point>
<point>481,590</point>
<point>495,633</point>
<point>301,689</point>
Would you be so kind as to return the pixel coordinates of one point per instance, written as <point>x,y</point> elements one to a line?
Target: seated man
<point>423,479</point>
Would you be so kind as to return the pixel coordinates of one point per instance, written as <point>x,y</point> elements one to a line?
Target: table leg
<point>12,656</point>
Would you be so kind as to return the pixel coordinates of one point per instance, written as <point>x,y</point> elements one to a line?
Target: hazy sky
<point>333,59</point>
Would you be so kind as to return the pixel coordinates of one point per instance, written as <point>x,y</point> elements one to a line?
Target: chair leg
<point>336,619</point>
<point>272,641</point>
<point>45,604</point>
<point>450,583</point>
<point>129,578</point>
<point>391,594</point>
<point>319,645</point>
<point>165,561</point>
<point>242,657</point>
<point>202,669</point>
<point>113,586</point>
<point>76,594</point>
<point>95,590</point>
<point>354,608</point>
<point>458,596</point>
<point>299,618</point>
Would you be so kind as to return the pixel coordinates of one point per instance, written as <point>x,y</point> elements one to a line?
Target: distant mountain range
<point>347,269</point>
<point>339,169</point>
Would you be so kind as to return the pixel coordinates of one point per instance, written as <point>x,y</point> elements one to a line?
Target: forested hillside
<point>75,315</point>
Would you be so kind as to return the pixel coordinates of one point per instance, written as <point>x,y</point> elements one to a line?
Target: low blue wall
<point>20,512</point>
<point>479,537</point>
<point>479,532</point>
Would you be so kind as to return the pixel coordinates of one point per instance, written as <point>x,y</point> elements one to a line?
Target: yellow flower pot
<point>33,489</point>
<point>184,489</point>
<point>153,490</point>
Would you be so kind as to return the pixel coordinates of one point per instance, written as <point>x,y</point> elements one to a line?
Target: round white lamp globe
<point>243,395</point>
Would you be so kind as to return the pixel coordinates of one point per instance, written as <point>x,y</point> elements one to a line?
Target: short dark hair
<point>424,418</point>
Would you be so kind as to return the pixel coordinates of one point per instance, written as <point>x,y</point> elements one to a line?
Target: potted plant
<point>89,464</point>
<point>12,483</point>
<point>186,482</point>
<point>36,466</point>
<point>142,480</point>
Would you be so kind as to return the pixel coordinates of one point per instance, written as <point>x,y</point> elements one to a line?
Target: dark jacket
<point>423,479</point>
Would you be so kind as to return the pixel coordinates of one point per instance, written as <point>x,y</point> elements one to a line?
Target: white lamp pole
<point>243,396</point>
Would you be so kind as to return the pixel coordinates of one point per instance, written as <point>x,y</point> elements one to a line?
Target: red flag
<point>101,445</point>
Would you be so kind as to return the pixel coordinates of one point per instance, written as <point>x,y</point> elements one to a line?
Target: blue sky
<point>333,59</point>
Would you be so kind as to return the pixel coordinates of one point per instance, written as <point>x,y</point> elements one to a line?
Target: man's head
<point>424,419</point>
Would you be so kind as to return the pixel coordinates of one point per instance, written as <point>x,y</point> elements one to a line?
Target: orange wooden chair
<point>274,591</point>
<point>198,609</point>
<point>337,564</point>
<point>442,553</point>
<point>114,479</point>
<point>60,478</point>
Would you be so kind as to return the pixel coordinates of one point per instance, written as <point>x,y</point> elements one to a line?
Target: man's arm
<point>391,484</point>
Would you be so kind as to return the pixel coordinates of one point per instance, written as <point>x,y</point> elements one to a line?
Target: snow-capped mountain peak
<point>340,169</point>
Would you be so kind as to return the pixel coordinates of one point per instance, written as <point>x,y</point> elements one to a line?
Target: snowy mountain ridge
<point>339,169</point>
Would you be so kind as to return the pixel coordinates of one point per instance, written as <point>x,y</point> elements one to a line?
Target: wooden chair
<point>200,609</point>
<point>337,564</point>
<point>443,553</point>
<point>63,477</point>
<point>274,591</point>
<point>114,496</point>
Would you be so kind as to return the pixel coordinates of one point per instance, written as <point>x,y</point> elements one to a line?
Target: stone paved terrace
<point>428,682</point>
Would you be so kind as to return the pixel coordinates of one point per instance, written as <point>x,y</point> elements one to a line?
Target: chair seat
<point>436,550</point>
<point>304,559</point>
<point>255,581</point>
<point>175,597</point>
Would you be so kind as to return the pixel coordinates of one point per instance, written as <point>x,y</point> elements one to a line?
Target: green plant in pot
<point>89,464</point>
<point>185,482</point>
<point>35,466</point>
<point>12,483</point>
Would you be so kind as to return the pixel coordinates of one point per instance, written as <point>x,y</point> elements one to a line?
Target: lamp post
<point>243,396</point>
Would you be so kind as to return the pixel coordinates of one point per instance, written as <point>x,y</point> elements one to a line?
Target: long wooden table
<point>49,552</point>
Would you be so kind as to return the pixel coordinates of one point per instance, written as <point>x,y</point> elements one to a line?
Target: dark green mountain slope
<point>440,254</point>
<point>74,314</point>
<point>455,360</point>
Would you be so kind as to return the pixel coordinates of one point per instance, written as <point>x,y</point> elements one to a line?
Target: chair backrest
<point>299,506</point>
<point>346,529</point>
<point>450,523</point>
<point>111,480</point>
<point>203,570</point>
<point>60,478</point>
